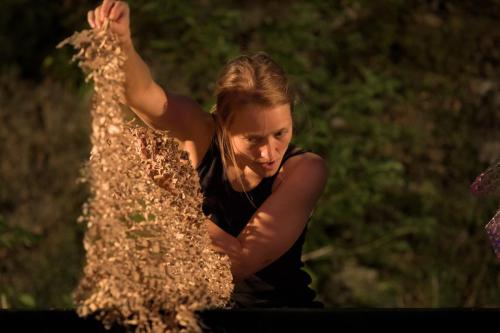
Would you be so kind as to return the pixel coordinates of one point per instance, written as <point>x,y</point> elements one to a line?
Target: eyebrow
<point>260,135</point>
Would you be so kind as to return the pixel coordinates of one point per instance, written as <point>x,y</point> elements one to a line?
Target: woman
<point>259,190</point>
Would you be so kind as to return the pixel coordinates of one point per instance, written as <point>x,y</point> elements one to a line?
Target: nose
<point>267,151</point>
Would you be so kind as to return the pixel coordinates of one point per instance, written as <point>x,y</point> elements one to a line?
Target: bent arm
<point>278,222</point>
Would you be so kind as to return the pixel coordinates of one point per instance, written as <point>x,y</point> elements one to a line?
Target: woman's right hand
<point>118,14</point>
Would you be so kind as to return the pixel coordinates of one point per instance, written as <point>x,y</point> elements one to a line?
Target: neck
<point>241,180</point>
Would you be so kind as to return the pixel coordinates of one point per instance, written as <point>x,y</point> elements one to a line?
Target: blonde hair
<point>245,80</point>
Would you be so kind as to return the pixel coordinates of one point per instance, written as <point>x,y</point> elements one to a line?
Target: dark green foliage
<point>399,97</point>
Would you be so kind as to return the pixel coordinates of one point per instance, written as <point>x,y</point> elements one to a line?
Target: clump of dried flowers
<point>488,182</point>
<point>149,264</point>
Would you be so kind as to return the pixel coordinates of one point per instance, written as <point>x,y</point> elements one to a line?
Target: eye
<point>252,139</point>
<point>279,134</point>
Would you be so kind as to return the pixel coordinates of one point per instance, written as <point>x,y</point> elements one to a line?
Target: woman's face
<point>260,136</point>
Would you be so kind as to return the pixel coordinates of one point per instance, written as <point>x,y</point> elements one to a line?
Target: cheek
<point>283,144</point>
<point>241,148</point>
<point>288,138</point>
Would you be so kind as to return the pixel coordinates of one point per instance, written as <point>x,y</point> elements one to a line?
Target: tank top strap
<point>291,152</point>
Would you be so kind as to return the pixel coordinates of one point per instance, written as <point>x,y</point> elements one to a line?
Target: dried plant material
<point>493,231</point>
<point>488,182</point>
<point>149,263</point>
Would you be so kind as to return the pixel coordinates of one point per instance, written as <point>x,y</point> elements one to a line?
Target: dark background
<point>400,97</point>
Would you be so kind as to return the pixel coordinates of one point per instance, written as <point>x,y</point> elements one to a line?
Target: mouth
<point>268,165</point>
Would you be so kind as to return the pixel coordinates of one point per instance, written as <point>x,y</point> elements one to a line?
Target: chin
<point>269,172</point>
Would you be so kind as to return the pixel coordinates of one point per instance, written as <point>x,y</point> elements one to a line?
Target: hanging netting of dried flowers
<point>488,182</point>
<point>149,264</point>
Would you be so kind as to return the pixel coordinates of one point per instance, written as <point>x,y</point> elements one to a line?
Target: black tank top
<point>282,283</point>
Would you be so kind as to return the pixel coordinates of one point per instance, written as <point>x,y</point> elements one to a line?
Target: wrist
<point>126,43</point>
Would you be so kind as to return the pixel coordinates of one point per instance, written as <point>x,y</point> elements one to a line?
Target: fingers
<point>105,9</point>
<point>91,19</point>
<point>116,11</point>
<point>109,9</point>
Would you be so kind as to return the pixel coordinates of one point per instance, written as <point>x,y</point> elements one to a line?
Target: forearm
<point>138,83</point>
<point>226,243</point>
<point>142,94</point>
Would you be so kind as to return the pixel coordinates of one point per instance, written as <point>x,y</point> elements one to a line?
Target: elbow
<point>150,100</point>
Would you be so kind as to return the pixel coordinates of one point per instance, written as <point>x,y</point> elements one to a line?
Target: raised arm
<point>180,115</point>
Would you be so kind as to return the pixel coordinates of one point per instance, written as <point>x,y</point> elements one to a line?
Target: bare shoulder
<point>304,168</point>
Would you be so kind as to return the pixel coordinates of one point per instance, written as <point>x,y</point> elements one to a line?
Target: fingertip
<point>113,12</point>
<point>90,18</point>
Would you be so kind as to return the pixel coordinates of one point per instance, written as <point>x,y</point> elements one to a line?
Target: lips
<point>268,165</point>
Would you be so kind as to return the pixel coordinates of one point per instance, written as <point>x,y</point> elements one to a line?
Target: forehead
<point>262,120</point>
